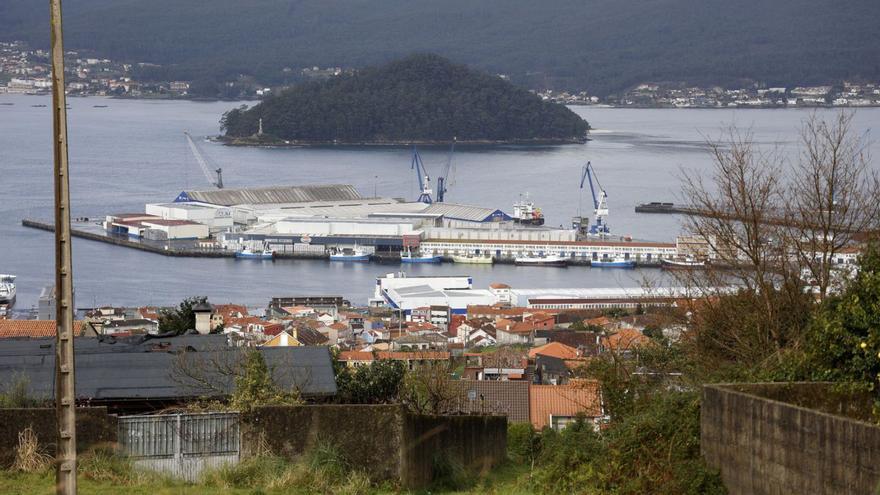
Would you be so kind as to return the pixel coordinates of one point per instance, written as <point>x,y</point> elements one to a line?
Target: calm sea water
<point>133,152</point>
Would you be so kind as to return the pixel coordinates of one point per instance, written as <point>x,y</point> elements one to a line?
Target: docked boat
<point>542,260</point>
<point>682,264</point>
<point>613,263</point>
<point>526,213</point>
<point>7,289</point>
<point>409,257</point>
<point>473,259</point>
<point>350,255</point>
<point>250,254</point>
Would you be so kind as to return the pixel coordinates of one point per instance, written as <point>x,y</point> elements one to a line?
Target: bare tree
<point>427,389</point>
<point>831,198</point>
<point>739,224</point>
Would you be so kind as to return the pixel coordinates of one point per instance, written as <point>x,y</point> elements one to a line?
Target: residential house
<point>556,406</point>
<point>624,342</point>
<point>412,360</point>
<point>555,349</point>
<point>420,342</point>
<point>550,370</point>
<point>504,364</point>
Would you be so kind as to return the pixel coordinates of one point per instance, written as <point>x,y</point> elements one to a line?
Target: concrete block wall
<point>94,428</point>
<point>383,440</point>
<point>766,446</point>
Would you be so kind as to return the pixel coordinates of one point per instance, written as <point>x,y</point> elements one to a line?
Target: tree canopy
<point>421,98</point>
<point>602,46</point>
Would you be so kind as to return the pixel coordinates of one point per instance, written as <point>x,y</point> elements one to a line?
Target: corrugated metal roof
<point>461,212</point>
<point>125,369</point>
<point>273,195</point>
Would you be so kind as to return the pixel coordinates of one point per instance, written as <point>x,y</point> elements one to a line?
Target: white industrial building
<point>406,294</point>
<point>597,298</point>
<point>152,227</point>
<point>217,218</point>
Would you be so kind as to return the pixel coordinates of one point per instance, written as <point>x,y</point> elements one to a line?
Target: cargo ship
<point>526,213</point>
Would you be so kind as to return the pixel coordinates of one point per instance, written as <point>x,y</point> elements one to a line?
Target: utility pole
<point>65,395</point>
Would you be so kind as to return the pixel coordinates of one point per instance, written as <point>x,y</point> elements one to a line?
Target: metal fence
<point>181,445</point>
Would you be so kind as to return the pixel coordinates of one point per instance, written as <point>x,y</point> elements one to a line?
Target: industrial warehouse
<point>321,220</point>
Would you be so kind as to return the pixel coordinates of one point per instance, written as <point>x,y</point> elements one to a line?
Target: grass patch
<point>323,470</point>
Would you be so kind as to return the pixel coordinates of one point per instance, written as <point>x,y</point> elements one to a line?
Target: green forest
<point>422,98</point>
<point>601,46</point>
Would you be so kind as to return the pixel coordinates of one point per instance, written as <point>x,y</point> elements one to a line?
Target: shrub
<point>29,454</point>
<point>523,443</point>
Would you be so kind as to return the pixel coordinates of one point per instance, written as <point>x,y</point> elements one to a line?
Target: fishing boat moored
<point>250,254</point>
<point>613,263</point>
<point>473,259</point>
<point>541,260</point>
<point>682,264</point>
<point>356,254</point>
<point>409,257</point>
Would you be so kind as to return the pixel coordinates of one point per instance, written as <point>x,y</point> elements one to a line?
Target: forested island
<point>419,99</point>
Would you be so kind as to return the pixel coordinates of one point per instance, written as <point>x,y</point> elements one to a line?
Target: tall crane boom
<point>422,178</point>
<point>600,201</point>
<point>203,163</point>
<point>445,179</point>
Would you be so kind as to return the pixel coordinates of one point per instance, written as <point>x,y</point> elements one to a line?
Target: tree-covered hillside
<point>602,46</point>
<point>422,98</point>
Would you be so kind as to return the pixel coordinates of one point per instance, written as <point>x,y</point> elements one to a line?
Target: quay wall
<point>578,253</point>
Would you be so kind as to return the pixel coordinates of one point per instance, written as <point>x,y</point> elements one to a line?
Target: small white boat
<point>249,254</point>
<point>409,257</point>
<point>613,263</point>
<point>541,260</point>
<point>7,289</point>
<point>473,259</point>
<point>682,264</point>
<point>355,254</point>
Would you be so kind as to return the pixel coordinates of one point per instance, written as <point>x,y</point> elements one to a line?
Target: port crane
<point>445,179</point>
<point>600,202</point>
<point>203,163</point>
<point>422,178</point>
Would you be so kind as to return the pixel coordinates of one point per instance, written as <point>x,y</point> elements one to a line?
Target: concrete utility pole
<point>65,395</point>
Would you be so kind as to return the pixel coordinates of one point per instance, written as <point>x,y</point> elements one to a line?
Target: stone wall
<point>94,428</point>
<point>764,441</point>
<point>382,440</point>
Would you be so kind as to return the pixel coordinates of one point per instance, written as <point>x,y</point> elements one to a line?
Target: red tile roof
<point>32,328</point>
<point>627,338</point>
<point>563,400</point>
<point>555,349</point>
<point>230,310</point>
